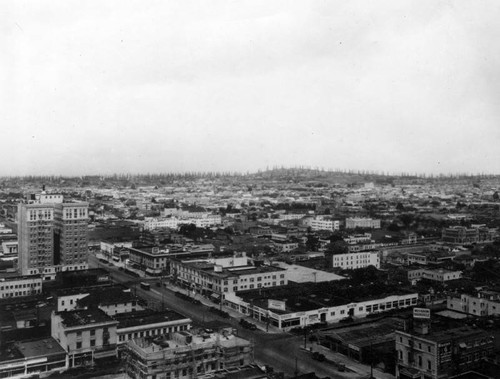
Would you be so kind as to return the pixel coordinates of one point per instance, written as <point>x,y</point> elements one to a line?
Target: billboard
<point>421,313</point>
<point>276,304</point>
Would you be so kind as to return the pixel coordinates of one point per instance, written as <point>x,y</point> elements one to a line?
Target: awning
<point>215,295</point>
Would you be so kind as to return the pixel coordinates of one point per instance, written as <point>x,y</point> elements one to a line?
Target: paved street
<point>283,351</point>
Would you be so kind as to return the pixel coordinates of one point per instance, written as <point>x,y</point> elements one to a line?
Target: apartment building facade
<point>52,235</point>
<point>355,260</point>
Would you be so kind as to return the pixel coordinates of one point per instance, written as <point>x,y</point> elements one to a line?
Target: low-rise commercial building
<point>285,310</point>
<point>216,276</point>
<point>34,358</point>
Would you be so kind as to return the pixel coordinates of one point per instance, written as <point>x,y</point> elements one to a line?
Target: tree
<point>312,242</point>
<point>485,272</point>
<point>338,247</point>
<point>407,219</point>
<point>496,197</point>
<point>393,227</point>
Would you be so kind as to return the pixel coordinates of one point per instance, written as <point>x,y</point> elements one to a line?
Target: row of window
<point>25,285</point>
<point>153,332</point>
<point>390,305</point>
<point>21,293</point>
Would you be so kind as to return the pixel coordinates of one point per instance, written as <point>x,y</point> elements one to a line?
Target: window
<point>429,364</point>
<point>92,342</point>
<point>78,345</point>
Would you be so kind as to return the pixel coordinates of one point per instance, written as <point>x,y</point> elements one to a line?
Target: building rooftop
<point>10,277</point>
<point>187,342</point>
<point>86,290</point>
<point>43,347</point>
<point>302,274</point>
<point>30,349</point>
<point>445,334</point>
<point>365,334</point>
<point>107,296</point>
<point>127,320</point>
<point>84,317</point>
<point>309,296</point>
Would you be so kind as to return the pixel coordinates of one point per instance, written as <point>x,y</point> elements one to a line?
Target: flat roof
<point>145,317</point>
<point>84,317</point>
<point>310,296</point>
<point>30,349</point>
<point>5,277</point>
<point>107,295</point>
<point>40,347</point>
<point>446,334</point>
<point>302,274</point>
<point>364,334</point>
<point>233,270</point>
<point>86,290</point>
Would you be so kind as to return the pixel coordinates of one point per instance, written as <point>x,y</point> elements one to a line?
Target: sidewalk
<point>351,365</point>
<point>234,314</point>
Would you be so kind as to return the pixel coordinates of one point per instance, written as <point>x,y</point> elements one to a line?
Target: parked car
<point>248,325</point>
<point>317,356</point>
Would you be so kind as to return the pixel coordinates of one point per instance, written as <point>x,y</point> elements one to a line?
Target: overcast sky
<point>158,86</point>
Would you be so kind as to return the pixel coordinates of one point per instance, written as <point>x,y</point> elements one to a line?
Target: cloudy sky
<point>221,85</point>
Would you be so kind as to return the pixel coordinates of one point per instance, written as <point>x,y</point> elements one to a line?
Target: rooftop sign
<point>276,304</point>
<point>421,313</point>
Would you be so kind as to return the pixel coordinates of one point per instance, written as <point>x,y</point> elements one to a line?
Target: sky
<point>126,86</point>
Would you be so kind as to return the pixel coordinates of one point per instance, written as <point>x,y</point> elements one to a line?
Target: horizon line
<point>422,175</point>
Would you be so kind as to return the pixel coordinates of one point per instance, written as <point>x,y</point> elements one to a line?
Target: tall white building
<point>52,235</point>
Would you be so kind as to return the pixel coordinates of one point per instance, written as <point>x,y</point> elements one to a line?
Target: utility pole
<point>371,361</point>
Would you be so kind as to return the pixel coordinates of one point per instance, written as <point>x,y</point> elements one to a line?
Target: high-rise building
<point>52,235</point>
